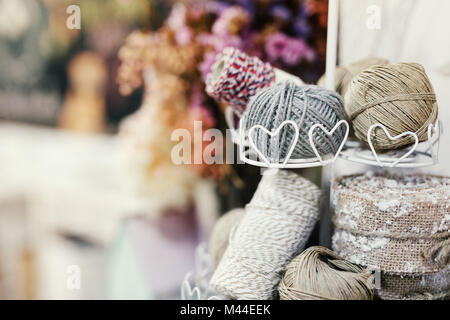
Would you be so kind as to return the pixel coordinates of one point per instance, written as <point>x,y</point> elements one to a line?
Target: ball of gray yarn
<point>286,101</point>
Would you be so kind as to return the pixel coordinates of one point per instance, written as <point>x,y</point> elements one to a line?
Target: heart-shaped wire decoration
<point>273,134</point>
<point>407,133</point>
<point>434,135</point>
<point>328,133</point>
<point>187,292</point>
<point>202,265</point>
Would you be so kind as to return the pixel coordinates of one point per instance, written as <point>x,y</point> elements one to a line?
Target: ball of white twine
<point>277,223</point>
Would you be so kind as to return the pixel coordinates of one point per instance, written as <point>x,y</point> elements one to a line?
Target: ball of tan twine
<point>398,96</point>
<point>218,242</point>
<point>320,274</point>
<point>345,73</point>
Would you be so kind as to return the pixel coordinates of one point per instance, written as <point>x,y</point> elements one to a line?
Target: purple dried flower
<point>248,5</point>
<point>280,12</point>
<point>205,66</point>
<point>275,45</point>
<point>216,7</point>
<point>222,24</point>
<point>301,26</point>
<point>219,42</point>
<point>290,50</point>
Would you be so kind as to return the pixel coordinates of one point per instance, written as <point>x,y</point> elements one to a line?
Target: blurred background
<point>91,205</point>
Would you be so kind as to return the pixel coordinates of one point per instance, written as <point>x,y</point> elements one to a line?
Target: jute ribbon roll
<point>398,96</point>
<point>399,225</point>
<point>275,227</point>
<point>429,286</point>
<point>320,274</point>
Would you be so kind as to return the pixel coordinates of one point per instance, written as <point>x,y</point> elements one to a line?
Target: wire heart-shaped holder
<point>273,134</point>
<point>203,266</point>
<point>288,162</point>
<point>195,286</point>
<point>187,292</point>
<point>403,158</point>
<point>434,135</point>
<point>329,133</point>
<point>404,134</point>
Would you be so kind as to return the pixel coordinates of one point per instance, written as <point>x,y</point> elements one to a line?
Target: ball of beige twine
<point>320,274</point>
<point>398,96</point>
<point>345,73</point>
<point>218,241</point>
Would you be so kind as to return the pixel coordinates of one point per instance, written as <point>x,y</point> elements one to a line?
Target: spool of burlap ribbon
<point>429,286</point>
<point>275,227</point>
<point>398,96</point>
<point>398,225</point>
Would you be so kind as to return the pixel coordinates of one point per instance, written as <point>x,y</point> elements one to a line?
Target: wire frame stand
<point>250,153</point>
<point>410,157</point>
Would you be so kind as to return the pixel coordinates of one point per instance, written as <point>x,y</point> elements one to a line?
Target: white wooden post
<point>327,171</point>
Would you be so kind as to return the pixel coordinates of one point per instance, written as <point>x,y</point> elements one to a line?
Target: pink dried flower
<point>183,36</point>
<point>295,51</point>
<point>219,42</point>
<point>275,45</point>
<point>207,63</point>
<point>290,50</point>
<point>177,17</point>
<point>223,24</point>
